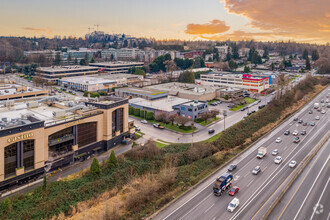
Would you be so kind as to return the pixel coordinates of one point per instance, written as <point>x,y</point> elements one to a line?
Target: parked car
<point>232,167</point>
<point>233,190</point>
<point>296,140</point>
<point>211,131</point>
<point>323,112</point>
<point>292,164</point>
<point>303,132</point>
<point>275,152</point>
<point>305,124</point>
<point>295,119</point>
<point>213,104</point>
<point>233,205</point>
<point>137,128</point>
<point>256,170</point>
<point>144,122</point>
<point>253,111</point>
<point>287,132</point>
<point>278,160</point>
<point>278,140</point>
<point>261,106</point>
<point>310,112</point>
<point>295,133</point>
<point>158,126</point>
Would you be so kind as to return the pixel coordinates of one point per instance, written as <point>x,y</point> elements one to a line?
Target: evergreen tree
<point>228,56</point>
<point>217,56</point>
<point>255,58</point>
<point>308,64</point>
<point>305,54</point>
<point>247,69</point>
<point>266,53</point>
<point>234,49</point>
<point>315,55</point>
<point>83,62</point>
<point>95,169</point>
<point>69,59</point>
<point>232,65</point>
<point>44,183</point>
<point>57,60</point>
<point>92,60</point>
<point>7,205</point>
<point>272,67</point>
<point>251,52</point>
<point>113,160</point>
<point>75,61</point>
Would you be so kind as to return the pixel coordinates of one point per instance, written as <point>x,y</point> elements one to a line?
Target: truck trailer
<point>262,151</point>
<point>222,183</point>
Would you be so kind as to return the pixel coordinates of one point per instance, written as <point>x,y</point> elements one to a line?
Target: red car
<point>233,191</point>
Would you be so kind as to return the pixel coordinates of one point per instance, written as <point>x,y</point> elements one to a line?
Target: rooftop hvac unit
<point>59,114</point>
<point>33,104</point>
<point>10,103</point>
<point>4,119</point>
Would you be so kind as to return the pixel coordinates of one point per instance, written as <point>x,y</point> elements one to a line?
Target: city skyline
<point>296,20</point>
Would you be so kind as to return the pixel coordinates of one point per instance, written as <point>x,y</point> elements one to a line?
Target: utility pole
<point>224,119</point>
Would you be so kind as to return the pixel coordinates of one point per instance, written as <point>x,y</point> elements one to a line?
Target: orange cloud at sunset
<point>37,30</point>
<point>214,27</point>
<point>307,20</point>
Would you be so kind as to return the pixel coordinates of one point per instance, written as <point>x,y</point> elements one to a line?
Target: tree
<point>232,65</point>
<point>305,54</point>
<point>323,65</point>
<point>75,61</point>
<point>7,205</point>
<point>266,53</point>
<point>204,116</point>
<point>125,43</point>
<point>83,62</point>
<point>187,77</point>
<point>143,113</point>
<point>113,160</point>
<point>251,53</point>
<point>308,64</point>
<point>86,58</point>
<point>44,183</point>
<point>246,69</point>
<point>315,55</point>
<point>255,58</point>
<point>160,116</point>
<point>139,71</point>
<point>181,120</point>
<point>92,60</point>
<point>272,66</point>
<point>95,169</point>
<point>131,110</point>
<point>234,50</point>
<point>150,116</point>
<point>172,118</point>
<point>57,60</point>
<point>137,112</point>
<point>216,56</point>
<point>228,56</point>
<point>69,59</point>
<point>214,113</point>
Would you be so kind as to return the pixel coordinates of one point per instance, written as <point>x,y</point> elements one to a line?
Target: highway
<point>309,196</point>
<point>256,191</point>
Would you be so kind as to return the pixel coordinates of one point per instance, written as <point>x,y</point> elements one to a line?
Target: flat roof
<point>66,68</point>
<point>114,64</point>
<point>145,91</point>
<point>11,89</point>
<point>184,88</point>
<point>165,104</point>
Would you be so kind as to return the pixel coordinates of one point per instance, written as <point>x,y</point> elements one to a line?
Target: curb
<point>305,162</point>
<point>233,158</point>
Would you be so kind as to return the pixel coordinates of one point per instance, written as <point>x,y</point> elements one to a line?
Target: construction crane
<point>97,26</point>
<point>89,29</point>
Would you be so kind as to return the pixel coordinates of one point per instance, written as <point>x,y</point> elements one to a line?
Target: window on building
<point>189,110</point>
<point>10,160</point>
<point>28,154</point>
<point>117,121</point>
<point>87,133</point>
<point>183,108</point>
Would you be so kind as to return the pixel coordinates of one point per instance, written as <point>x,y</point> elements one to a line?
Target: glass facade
<point>61,142</point>
<point>87,133</point>
<point>117,121</point>
<point>10,160</point>
<point>28,154</point>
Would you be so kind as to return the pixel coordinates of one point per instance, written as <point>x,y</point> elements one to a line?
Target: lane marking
<point>246,174</point>
<point>265,168</point>
<point>249,183</point>
<point>264,184</point>
<point>209,208</point>
<point>320,153</point>
<point>311,188</point>
<point>318,202</point>
<point>196,206</point>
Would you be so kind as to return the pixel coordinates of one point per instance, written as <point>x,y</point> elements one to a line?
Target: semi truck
<point>262,151</point>
<point>316,105</point>
<point>222,183</point>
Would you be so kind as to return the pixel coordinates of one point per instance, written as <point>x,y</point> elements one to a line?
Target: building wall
<point>24,95</point>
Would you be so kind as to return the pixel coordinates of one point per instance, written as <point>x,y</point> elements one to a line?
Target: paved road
<point>311,188</point>
<point>200,203</point>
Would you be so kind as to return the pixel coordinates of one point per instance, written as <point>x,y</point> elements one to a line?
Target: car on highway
<point>310,112</point>
<point>295,119</point>
<point>278,140</point>
<point>233,190</point>
<point>319,109</point>
<point>292,164</point>
<point>287,132</point>
<point>278,160</point>
<point>232,167</point>
<point>233,205</point>
<point>327,100</point>
<point>295,133</point>
<point>328,106</point>
<point>158,126</point>
<point>137,128</point>
<point>213,104</point>
<point>305,124</point>
<point>253,111</point>
<point>322,101</point>
<point>211,131</point>
<point>245,115</point>
<point>317,118</point>
<point>275,152</point>
<point>312,123</point>
<point>144,122</point>
<point>300,121</point>
<point>256,170</point>
<point>303,132</point>
<point>323,112</point>
<point>296,140</point>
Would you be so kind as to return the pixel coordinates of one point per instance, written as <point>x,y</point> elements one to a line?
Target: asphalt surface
<point>256,191</point>
<point>309,196</point>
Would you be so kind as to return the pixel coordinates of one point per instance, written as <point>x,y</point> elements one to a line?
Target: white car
<point>278,140</point>
<point>278,160</point>
<point>292,164</point>
<point>137,128</point>
<point>275,152</point>
<point>144,122</point>
<point>317,118</point>
<point>233,205</point>
<point>295,133</point>
<point>323,112</point>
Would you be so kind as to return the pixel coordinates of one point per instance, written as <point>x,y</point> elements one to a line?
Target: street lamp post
<point>224,119</point>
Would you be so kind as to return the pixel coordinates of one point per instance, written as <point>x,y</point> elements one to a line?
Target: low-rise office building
<point>42,135</point>
<point>145,93</point>
<point>13,91</point>
<point>242,81</point>
<point>116,67</point>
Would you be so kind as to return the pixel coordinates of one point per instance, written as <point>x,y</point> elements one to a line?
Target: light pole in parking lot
<point>224,119</point>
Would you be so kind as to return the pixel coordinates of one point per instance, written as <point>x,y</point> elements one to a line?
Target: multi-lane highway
<point>256,191</point>
<point>309,196</point>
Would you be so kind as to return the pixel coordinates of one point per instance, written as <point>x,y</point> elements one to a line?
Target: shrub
<point>131,110</point>
<point>150,116</point>
<point>95,170</point>
<point>137,112</point>
<point>143,113</point>
<point>113,160</point>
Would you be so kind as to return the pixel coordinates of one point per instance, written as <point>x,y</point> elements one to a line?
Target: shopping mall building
<point>45,134</point>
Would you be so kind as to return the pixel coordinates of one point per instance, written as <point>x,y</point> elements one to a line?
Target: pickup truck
<point>262,151</point>
<point>222,183</point>
<point>158,126</point>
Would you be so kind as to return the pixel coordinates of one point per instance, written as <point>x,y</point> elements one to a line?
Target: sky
<point>266,20</point>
